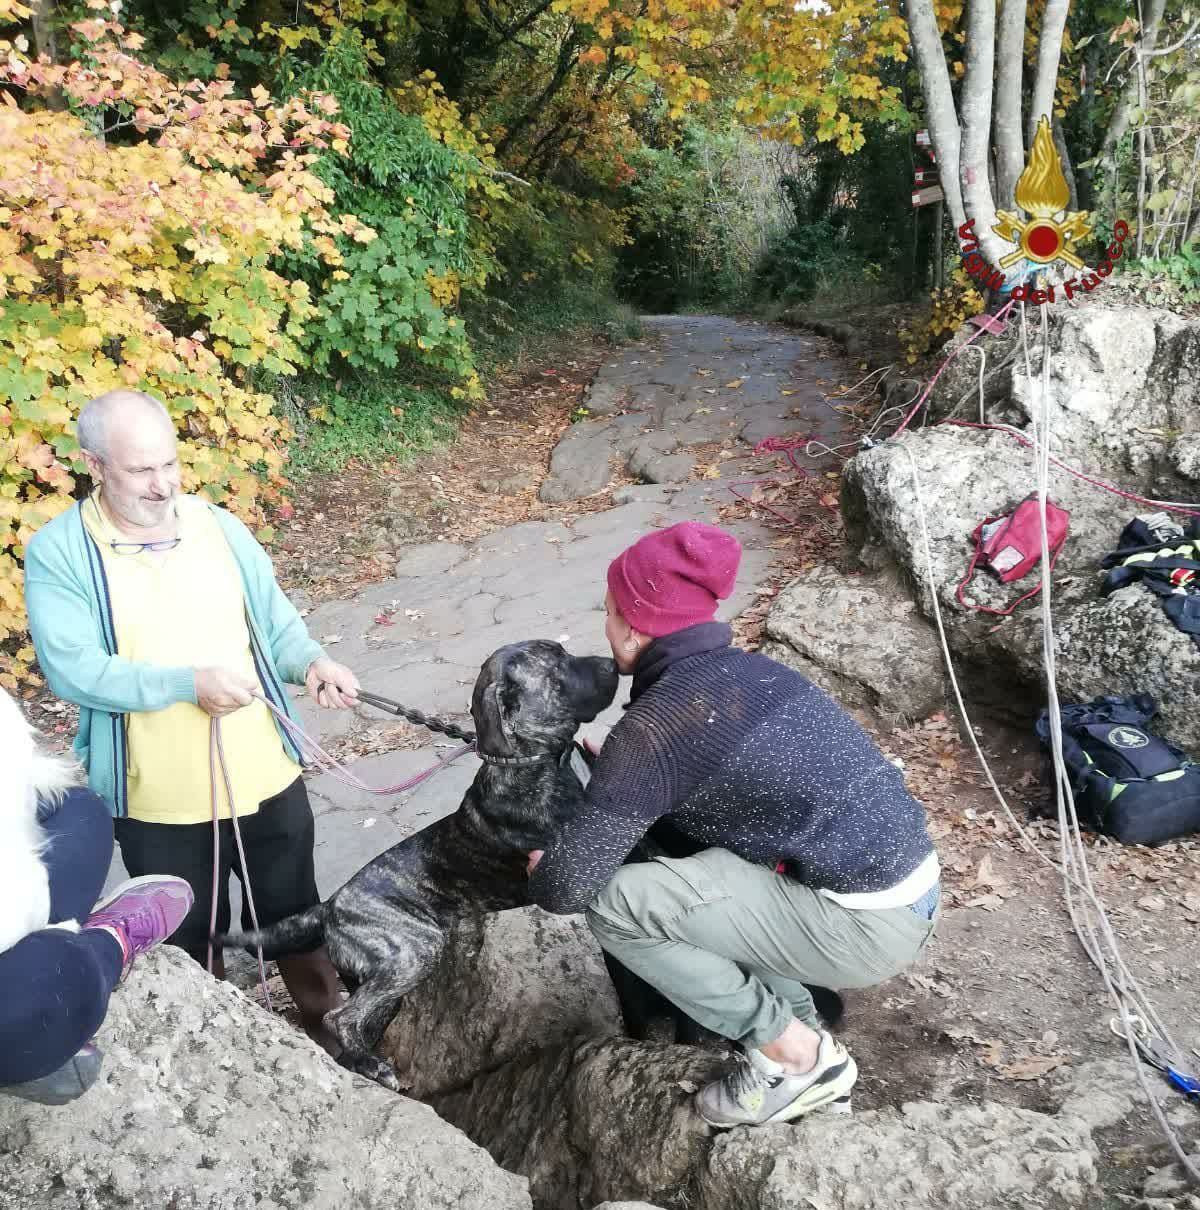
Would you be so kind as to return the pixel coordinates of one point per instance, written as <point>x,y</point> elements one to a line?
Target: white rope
<point>1094,929</point>
<point>1124,989</point>
<point>982,362</point>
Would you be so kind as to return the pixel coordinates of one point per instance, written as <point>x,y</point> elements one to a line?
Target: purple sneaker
<point>142,912</point>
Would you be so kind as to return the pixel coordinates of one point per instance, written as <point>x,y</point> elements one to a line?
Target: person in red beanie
<point>809,862</point>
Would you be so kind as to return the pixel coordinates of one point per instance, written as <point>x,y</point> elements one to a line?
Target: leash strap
<point>313,754</point>
<point>216,758</point>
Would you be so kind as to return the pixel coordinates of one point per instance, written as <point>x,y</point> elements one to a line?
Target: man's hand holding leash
<point>221,691</point>
<point>331,684</point>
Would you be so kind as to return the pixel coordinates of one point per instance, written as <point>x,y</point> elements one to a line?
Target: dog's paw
<point>373,1068</point>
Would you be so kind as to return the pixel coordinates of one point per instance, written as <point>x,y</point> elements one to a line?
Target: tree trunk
<point>1010,64</point>
<point>948,140</point>
<point>45,43</point>
<point>1045,80</point>
<point>976,113</point>
<point>939,102</point>
<point>1118,124</point>
<point>1064,154</point>
<point>568,53</point>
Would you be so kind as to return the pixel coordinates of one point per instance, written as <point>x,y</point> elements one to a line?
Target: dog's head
<point>531,697</point>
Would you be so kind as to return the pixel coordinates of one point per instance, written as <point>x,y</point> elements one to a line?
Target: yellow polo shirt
<point>185,607</point>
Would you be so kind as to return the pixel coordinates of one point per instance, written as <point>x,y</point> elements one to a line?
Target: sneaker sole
<point>131,884</point>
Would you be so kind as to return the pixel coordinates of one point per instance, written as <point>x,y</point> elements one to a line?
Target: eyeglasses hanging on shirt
<point>136,548</point>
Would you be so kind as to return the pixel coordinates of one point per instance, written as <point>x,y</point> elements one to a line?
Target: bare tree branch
<point>1118,123</point>
<point>1064,154</point>
<point>1010,64</point>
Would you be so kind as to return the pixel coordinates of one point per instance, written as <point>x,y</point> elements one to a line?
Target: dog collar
<point>489,759</point>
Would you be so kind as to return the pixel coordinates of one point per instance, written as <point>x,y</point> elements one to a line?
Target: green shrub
<point>369,417</point>
<point>1165,280</point>
<point>394,299</point>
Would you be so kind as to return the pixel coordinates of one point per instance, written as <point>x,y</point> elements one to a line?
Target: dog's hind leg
<point>359,1024</point>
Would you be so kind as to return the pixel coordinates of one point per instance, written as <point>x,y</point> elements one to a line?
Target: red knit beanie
<point>674,577</point>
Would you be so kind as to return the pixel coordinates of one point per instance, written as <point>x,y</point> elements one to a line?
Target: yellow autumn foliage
<point>144,265</point>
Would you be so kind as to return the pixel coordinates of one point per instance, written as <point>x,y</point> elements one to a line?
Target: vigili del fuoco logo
<point>1048,235</point>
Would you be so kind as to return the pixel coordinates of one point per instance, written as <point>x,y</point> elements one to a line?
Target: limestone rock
<point>667,468</point>
<point>654,493</point>
<point>507,985</point>
<point>604,397</point>
<point>206,1102</point>
<point>861,639</point>
<point>602,1119</point>
<point>431,559</point>
<point>626,1206</point>
<point>579,463</point>
<point>1125,383</point>
<point>971,1157</point>
<point>1122,644</point>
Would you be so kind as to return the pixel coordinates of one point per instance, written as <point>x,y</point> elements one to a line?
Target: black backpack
<point>1128,782</point>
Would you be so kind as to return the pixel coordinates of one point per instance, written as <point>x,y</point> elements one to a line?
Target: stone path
<point>454,605</point>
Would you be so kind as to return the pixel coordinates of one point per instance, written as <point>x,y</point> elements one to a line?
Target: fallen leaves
<point>1031,1067</point>
<point>1038,1058</point>
<point>735,385</point>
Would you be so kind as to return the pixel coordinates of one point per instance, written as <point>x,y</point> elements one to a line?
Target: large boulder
<point>507,985</point>
<point>208,1103</point>
<point>971,1157</point>
<point>1121,644</point>
<point>1125,382</point>
<point>594,1120</point>
<point>861,639</point>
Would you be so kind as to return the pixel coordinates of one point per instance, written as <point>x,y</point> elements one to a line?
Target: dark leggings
<point>57,983</point>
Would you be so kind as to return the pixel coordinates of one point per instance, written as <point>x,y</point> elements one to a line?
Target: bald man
<point>155,612</point>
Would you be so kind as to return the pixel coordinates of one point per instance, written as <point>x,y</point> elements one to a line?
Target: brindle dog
<point>385,928</point>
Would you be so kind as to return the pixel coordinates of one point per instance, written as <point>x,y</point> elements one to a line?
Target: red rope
<point>774,445</point>
<point>1108,487</point>
<point>925,394</point>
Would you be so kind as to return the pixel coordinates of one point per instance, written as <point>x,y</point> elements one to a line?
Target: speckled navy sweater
<point>745,754</point>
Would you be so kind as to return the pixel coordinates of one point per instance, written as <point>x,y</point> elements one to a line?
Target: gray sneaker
<point>758,1090</point>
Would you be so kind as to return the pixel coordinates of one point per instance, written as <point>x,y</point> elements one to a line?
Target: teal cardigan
<point>71,620</point>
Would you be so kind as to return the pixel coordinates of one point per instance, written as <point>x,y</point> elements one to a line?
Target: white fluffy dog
<point>26,776</point>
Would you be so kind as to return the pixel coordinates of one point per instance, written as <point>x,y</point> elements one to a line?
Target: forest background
<point>314,228</point>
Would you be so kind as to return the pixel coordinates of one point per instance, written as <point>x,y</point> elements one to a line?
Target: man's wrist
<point>181,684</point>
